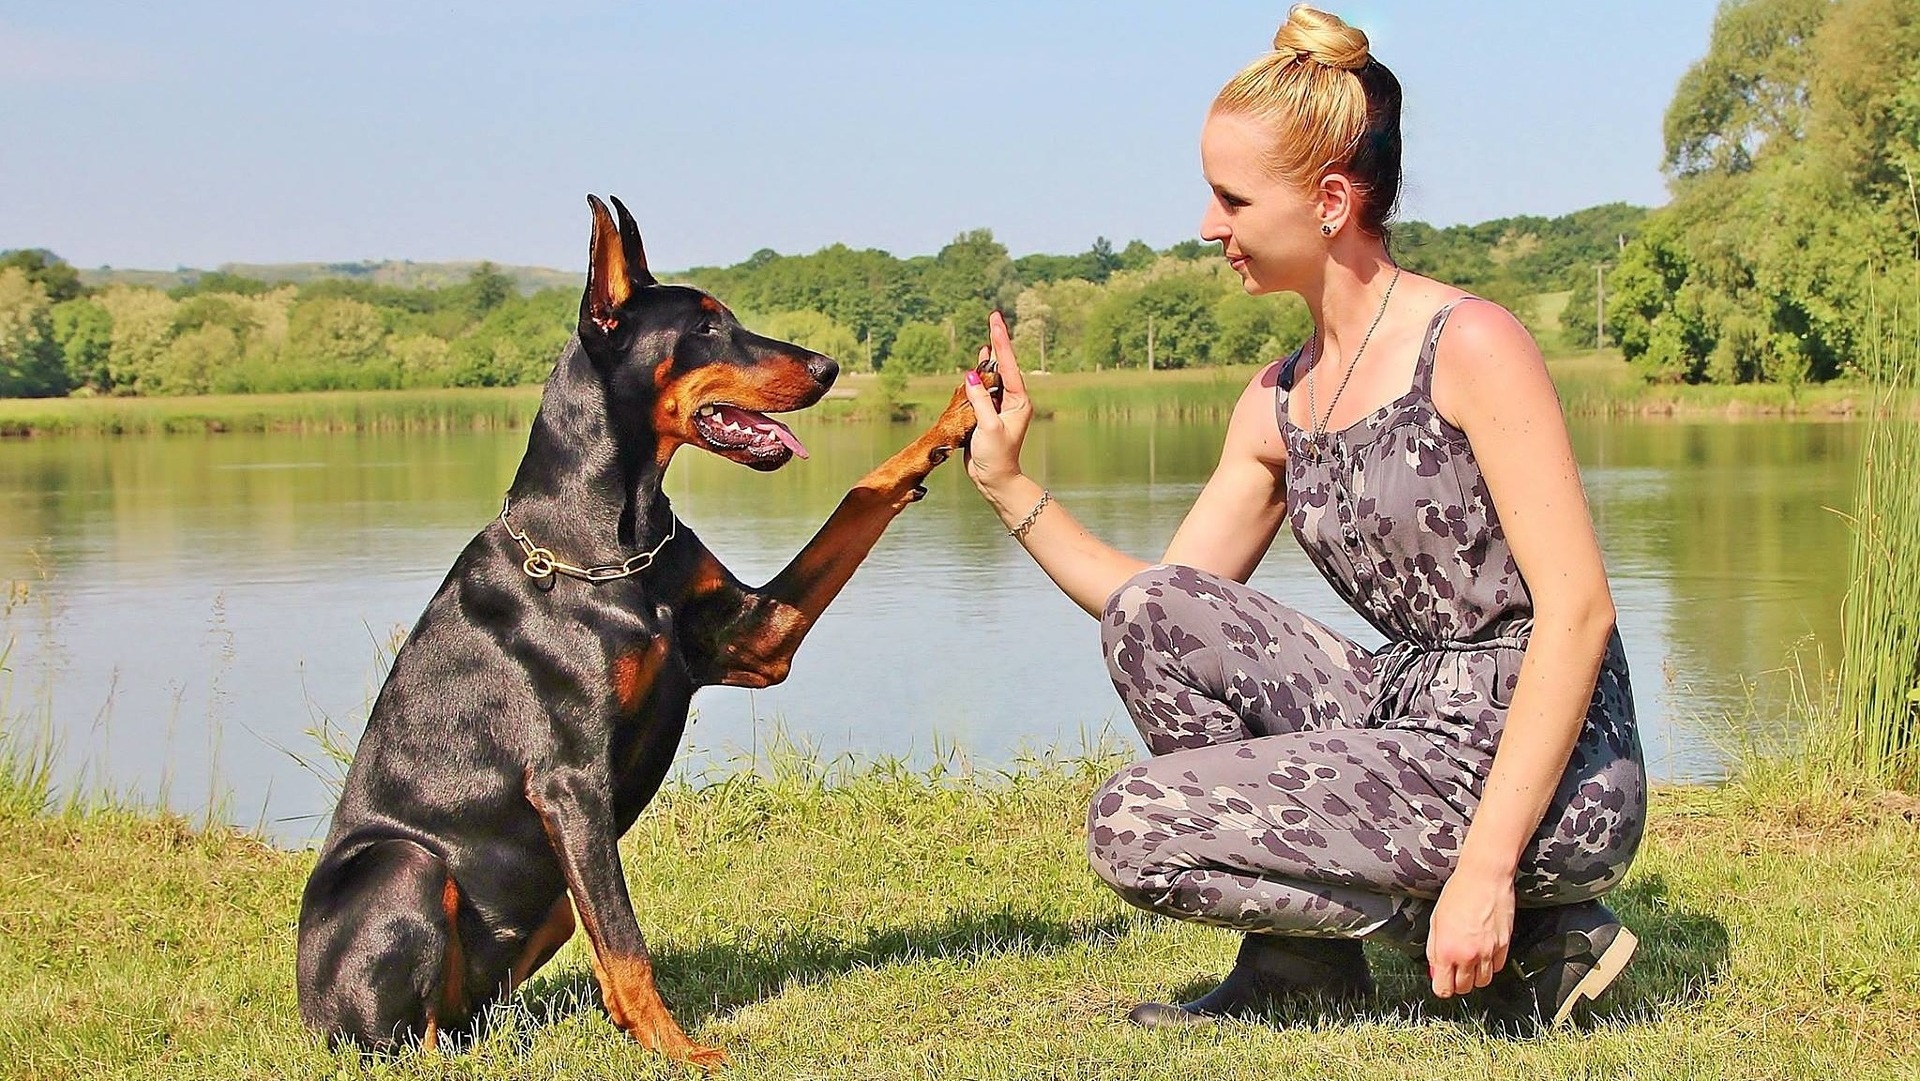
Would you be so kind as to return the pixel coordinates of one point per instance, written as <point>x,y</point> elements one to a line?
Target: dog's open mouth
<point>731,428</point>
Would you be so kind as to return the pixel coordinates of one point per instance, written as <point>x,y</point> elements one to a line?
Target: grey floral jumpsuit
<point>1301,785</point>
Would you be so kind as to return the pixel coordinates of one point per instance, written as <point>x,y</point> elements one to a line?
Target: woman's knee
<point>1589,839</point>
<point>1137,603</point>
<point>1119,848</point>
<point>1158,616</point>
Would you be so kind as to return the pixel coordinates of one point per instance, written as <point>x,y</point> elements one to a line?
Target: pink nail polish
<point>973,378</point>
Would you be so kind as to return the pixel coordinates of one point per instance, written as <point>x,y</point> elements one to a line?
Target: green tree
<point>1253,330</point>
<point>336,343</point>
<point>812,330</point>
<point>194,359</point>
<point>487,289</point>
<point>1102,260</point>
<point>1791,148</point>
<point>423,360</point>
<point>1749,90</point>
<point>867,291</point>
<point>47,270</point>
<point>30,361</point>
<point>1137,255</point>
<point>1173,312</point>
<point>920,348</point>
<point>971,277</point>
<point>142,322</point>
<point>221,281</point>
<point>84,332</point>
<point>517,342</point>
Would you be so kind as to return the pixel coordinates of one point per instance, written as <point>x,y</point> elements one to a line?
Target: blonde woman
<point>1468,791</point>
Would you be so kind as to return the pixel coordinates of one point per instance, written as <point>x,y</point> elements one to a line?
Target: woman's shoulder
<point>1485,358</point>
<point>1484,337</point>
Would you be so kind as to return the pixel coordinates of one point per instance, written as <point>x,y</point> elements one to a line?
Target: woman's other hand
<point>993,454</point>
<point>1471,927</point>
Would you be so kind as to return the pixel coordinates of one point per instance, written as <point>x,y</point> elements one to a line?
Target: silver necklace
<point>1317,424</point>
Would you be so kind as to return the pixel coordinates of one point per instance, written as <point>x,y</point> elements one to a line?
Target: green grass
<point>885,923</point>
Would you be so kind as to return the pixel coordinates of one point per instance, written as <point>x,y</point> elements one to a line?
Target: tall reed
<point>26,756</point>
<point>1871,732</point>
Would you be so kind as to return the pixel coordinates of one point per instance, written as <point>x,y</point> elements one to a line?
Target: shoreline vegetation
<point>1592,384</point>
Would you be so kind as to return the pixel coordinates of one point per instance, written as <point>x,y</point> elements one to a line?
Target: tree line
<point>1792,151</point>
<point>1106,307</point>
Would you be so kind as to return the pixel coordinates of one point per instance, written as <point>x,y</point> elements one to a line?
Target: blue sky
<point>197,133</point>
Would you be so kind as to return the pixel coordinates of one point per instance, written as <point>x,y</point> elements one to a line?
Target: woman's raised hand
<point>993,454</point>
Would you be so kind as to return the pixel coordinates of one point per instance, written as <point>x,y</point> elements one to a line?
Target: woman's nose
<point>1213,224</point>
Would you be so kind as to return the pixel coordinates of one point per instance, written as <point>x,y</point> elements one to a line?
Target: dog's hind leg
<point>380,961</point>
<point>545,941</point>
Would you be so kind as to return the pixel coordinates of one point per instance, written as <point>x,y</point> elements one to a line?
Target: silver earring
<point>1326,230</point>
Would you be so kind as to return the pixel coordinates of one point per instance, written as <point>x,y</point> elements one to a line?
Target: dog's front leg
<point>576,807</point>
<point>754,641</point>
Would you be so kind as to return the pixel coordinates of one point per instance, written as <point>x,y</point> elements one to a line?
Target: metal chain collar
<point>541,564</point>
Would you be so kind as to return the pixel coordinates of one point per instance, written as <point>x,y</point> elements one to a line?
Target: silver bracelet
<point>1033,515</point>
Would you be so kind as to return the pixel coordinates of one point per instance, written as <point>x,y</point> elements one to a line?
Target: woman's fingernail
<point>974,378</point>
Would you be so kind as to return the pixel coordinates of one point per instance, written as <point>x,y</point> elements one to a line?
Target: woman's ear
<point>1336,202</point>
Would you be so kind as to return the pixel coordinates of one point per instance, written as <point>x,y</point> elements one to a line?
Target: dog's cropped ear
<point>616,268</point>
<point>630,243</point>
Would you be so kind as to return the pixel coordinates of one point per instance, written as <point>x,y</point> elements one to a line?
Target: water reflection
<point>198,603</point>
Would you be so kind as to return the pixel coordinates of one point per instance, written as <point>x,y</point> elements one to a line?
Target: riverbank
<point>1594,383</point>
<point>884,923</point>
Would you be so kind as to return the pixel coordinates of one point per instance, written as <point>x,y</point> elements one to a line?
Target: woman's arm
<point>1226,532</point>
<point>1492,383</point>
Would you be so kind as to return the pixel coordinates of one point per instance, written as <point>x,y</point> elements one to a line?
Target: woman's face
<point>1268,229</point>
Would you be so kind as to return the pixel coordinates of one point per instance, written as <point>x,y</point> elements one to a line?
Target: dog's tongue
<point>762,422</point>
<point>785,435</point>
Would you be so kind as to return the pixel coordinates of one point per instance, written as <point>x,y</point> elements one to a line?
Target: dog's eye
<point>712,326</point>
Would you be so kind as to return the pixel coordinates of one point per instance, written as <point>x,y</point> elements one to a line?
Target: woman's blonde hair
<point>1330,104</point>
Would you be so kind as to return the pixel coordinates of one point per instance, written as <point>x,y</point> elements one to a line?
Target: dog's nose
<point>823,369</point>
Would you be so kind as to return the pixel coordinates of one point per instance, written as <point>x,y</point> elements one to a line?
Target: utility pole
<point>1600,305</point>
<point>1149,341</point>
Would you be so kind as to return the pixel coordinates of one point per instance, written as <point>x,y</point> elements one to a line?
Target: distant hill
<point>400,273</point>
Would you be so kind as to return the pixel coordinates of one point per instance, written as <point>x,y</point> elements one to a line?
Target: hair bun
<point>1325,39</point>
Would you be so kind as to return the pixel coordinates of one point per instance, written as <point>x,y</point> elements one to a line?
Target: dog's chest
<point>642,659</point>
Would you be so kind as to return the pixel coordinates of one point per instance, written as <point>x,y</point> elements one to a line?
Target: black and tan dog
<point>536,706</point>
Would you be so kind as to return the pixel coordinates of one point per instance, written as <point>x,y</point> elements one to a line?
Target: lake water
<point>194,606</point>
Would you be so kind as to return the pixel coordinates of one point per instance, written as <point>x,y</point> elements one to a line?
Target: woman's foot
<point>1270,968</point>
<point>1561,957</point>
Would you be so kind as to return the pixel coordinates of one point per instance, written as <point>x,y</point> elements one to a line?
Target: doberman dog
<point>534,709</point>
